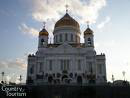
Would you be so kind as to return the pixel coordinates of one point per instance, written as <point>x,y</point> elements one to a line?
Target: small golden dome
<point>67,20</point>
<point>88,31</point>
<point>43,32</point>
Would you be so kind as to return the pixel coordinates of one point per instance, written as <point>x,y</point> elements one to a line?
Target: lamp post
<point>124,74</point>
<point>2,76</point>
<point>20,79</point>
<point>113,79</point>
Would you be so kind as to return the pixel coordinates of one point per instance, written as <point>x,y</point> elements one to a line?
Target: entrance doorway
<point>79,80</point>
<point>50,79</point>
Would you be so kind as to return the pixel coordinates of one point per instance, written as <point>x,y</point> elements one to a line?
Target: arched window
<point>79,79</point>
<point>90,67</point>
<point>42,41</point>
<point>72,37</point>
<point>89,41</point>
<point>32,69</point>
<point>40,67</point>
<point>60,37</point>
<point>50,65</point>
<point>79,64</point>
<point>61,64</point>
<point>66,37</point>
<point>65,64</point>
<point>56,38</point>
<point>68,64</point>
<point>50,79</point>
<point>100,68</point>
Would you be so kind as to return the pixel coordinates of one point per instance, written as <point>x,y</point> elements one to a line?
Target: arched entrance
<point>64,77</point>
<point>79,80</point>
<point>50,79</point>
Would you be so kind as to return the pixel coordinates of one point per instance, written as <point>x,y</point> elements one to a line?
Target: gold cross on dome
<point>44,24</point>
<point>67,6</point>
<point>88,24</point>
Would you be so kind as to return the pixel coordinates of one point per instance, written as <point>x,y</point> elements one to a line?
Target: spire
<point>88,30</point>
<point>88,24</point>
<point>43,31</point>
<point>67,6</point>
<point>44,25</point>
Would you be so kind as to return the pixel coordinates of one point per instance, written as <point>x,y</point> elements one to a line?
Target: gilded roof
<point>67,20</point>
<point>88,31</point>
<point>43,32</point>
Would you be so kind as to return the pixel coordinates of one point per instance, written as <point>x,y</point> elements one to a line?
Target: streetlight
<point>113,79</point>
<point>2,76</point>
<point>124,74</point>
<point>20,79</point>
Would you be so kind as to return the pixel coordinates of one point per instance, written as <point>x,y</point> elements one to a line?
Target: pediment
<point>65,46</point>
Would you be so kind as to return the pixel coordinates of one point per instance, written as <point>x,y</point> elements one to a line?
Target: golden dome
<point>43,32</point>
<point>67,20</point>
<point>88,31</point>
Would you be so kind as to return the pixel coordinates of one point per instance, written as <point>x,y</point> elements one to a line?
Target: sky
<point>21,20</point>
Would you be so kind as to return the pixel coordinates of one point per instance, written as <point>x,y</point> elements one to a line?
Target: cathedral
<point>66,60</point>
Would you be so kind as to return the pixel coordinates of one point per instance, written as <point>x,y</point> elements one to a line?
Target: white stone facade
<point>66,61</point>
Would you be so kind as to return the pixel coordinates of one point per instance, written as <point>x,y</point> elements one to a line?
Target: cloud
<point>116,58</point>
<point>17,81</point>
<point>87,10</point>
<point>21,63</point>
<point>13,68</point>
<point>51,10</point>
<point>8,78</point>
<point>103,23</point>
<point>17,63</point>
<point>47,9</point>
<point>28,30</point>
